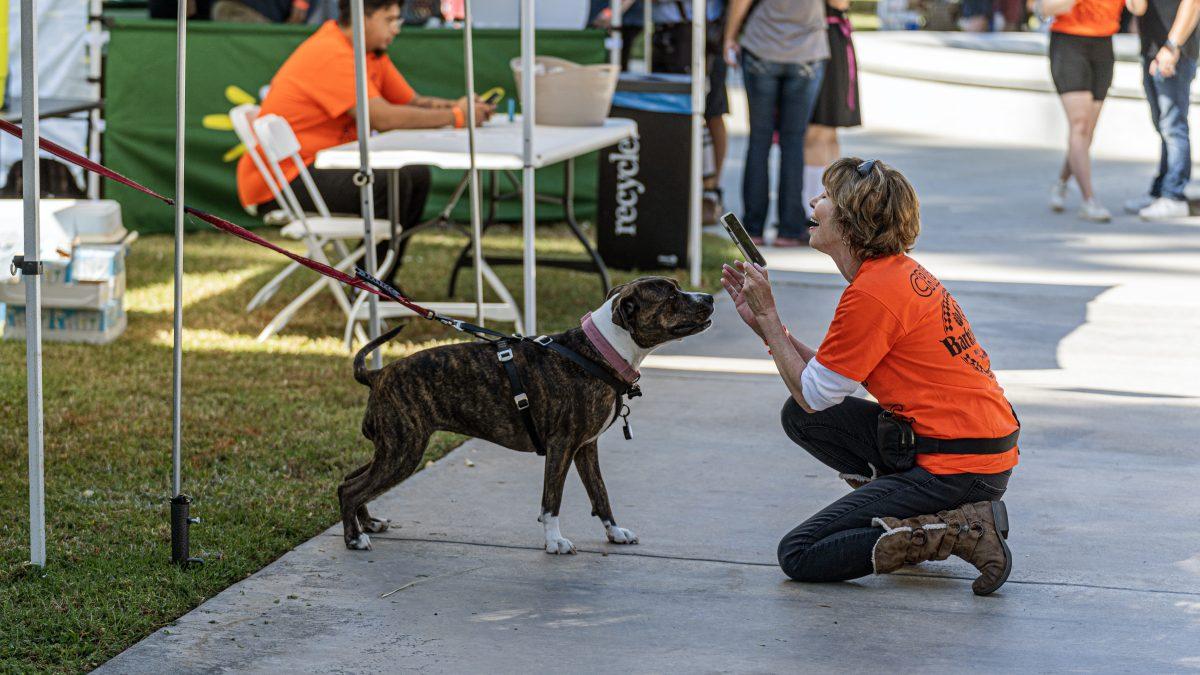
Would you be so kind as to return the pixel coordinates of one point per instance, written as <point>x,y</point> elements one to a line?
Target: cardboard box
<point>96,326</point>
<point>94,276</point>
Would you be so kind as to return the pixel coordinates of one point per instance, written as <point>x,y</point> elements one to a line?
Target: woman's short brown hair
<point>878,213</point>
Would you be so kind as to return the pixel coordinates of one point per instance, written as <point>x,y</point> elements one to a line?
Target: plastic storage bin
<point>570,94</point>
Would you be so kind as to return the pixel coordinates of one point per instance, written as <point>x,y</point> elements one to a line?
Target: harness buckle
<point>543,340</point>
<point>505,355</point>
<point>634,391</point>
<point>521,400</point>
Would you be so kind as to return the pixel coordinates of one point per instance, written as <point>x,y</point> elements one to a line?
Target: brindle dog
<point>462,388</point>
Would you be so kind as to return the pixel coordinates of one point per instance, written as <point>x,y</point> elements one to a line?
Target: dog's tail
<point>364,376</point>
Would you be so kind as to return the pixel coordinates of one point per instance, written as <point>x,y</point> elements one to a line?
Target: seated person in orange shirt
<point>930,461</point>
<point>314,92</point>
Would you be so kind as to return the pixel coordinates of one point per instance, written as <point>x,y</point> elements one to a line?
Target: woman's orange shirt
<point>1091,18</point>
<point>901,333</point>
<point>314,92</point>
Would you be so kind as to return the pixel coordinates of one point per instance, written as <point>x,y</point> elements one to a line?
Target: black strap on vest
<point>504,353</point>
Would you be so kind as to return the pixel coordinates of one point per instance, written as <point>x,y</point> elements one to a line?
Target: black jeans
<point>341,195</point>
<point>835,544</point>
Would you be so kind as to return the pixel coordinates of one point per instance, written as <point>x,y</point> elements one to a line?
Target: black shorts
<point>1081,63</point>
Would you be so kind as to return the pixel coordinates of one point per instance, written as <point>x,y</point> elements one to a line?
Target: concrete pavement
<point>1090,328</point>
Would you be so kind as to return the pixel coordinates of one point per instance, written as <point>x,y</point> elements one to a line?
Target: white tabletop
<point>497,146</point>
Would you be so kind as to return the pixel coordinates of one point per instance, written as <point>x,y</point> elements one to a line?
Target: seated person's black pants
<point>342,197</point>
<point>836,543</point>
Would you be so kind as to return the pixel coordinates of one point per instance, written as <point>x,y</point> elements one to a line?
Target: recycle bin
<point>642,200</point>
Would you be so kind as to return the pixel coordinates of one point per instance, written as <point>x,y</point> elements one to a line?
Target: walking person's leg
<point>798,94</point>
<point>716,106</point>
<point>1136,204</point>
<point>1083,111</point>
<point>1170,105</point>
<point>762,97</point>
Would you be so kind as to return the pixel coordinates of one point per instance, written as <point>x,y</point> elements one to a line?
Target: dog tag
<point>628,433</point>
<point>625,423</point>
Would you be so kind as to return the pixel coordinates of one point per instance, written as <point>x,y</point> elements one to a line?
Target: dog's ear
<point>616,290</point>
<point>625,307</point>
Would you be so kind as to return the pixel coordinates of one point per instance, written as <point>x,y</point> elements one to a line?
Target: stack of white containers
<point>83,283</point>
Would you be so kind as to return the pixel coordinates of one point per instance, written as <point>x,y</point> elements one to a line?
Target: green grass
<point>269,430</point>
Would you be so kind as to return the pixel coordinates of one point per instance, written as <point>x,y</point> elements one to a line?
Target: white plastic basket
<point>569,94</point>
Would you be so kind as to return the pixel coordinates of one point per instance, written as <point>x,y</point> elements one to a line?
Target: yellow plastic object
<point>498,92</point>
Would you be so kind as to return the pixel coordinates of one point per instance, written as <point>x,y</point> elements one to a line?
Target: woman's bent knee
<point>791,558</point>
<point>794,418</point>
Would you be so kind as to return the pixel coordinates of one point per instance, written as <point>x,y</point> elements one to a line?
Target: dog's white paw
<point>556,544</point>
<point>559,546</point>
<point>620,535</point>
<point>362,543</point>
<point>376,525</point>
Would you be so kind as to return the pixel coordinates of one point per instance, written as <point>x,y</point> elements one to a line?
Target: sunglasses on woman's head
<point>864,169</point>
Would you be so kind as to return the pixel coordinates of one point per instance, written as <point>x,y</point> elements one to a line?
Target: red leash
<point>222,224</point>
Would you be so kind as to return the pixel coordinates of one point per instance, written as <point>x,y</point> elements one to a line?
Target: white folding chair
<point>278,143</point>
<point>243,117</point>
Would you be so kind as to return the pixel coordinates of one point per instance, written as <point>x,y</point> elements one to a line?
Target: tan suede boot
<point>973,532</point>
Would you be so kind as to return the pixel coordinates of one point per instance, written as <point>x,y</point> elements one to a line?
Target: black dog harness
<point>504,353</point>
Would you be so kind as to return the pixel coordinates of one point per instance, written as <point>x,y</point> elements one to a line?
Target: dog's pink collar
<point>610,354</point>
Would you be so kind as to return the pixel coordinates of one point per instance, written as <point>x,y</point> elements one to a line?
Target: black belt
<point>900,435</point>
<point>965,446</point>
<point>504,353</point>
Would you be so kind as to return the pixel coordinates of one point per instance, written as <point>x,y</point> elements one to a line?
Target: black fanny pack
<point>899,445</point>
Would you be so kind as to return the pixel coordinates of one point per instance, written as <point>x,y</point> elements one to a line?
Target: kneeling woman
<point>931,460</point>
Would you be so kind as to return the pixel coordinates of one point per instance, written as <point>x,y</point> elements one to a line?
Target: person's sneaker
<point>1164,208</point>
<point>1058,197</point>
<point>711,208</point>
<point>1134,206</point>
<point>1094,211</point>
<point>790,242</point>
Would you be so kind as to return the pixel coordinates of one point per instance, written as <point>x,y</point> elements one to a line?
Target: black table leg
<point>569,209</point>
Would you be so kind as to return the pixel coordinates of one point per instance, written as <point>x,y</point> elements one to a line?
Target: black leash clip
<point>625,422</point>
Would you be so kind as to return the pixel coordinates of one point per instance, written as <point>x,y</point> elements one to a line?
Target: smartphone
<point>737,232</point>
<point>493,96</point>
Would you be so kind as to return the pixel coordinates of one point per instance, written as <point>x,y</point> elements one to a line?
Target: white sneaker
<point>1058,197</point>
<point>1094,211</point>
<point>1165,209</point>
<point>1134,206</point>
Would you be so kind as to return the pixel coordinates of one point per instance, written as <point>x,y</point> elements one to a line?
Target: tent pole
<point>476,225</point>
<point>95,52</point>
<point>31,193</point>
<point>699,16</point>
<point>365,178</point>
<point>181,520</point>
<point>528,186</point>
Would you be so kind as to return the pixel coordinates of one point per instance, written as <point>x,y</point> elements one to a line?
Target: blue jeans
<point>781,98</point>
<point>1168,97</point>
<point>836,543</point>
